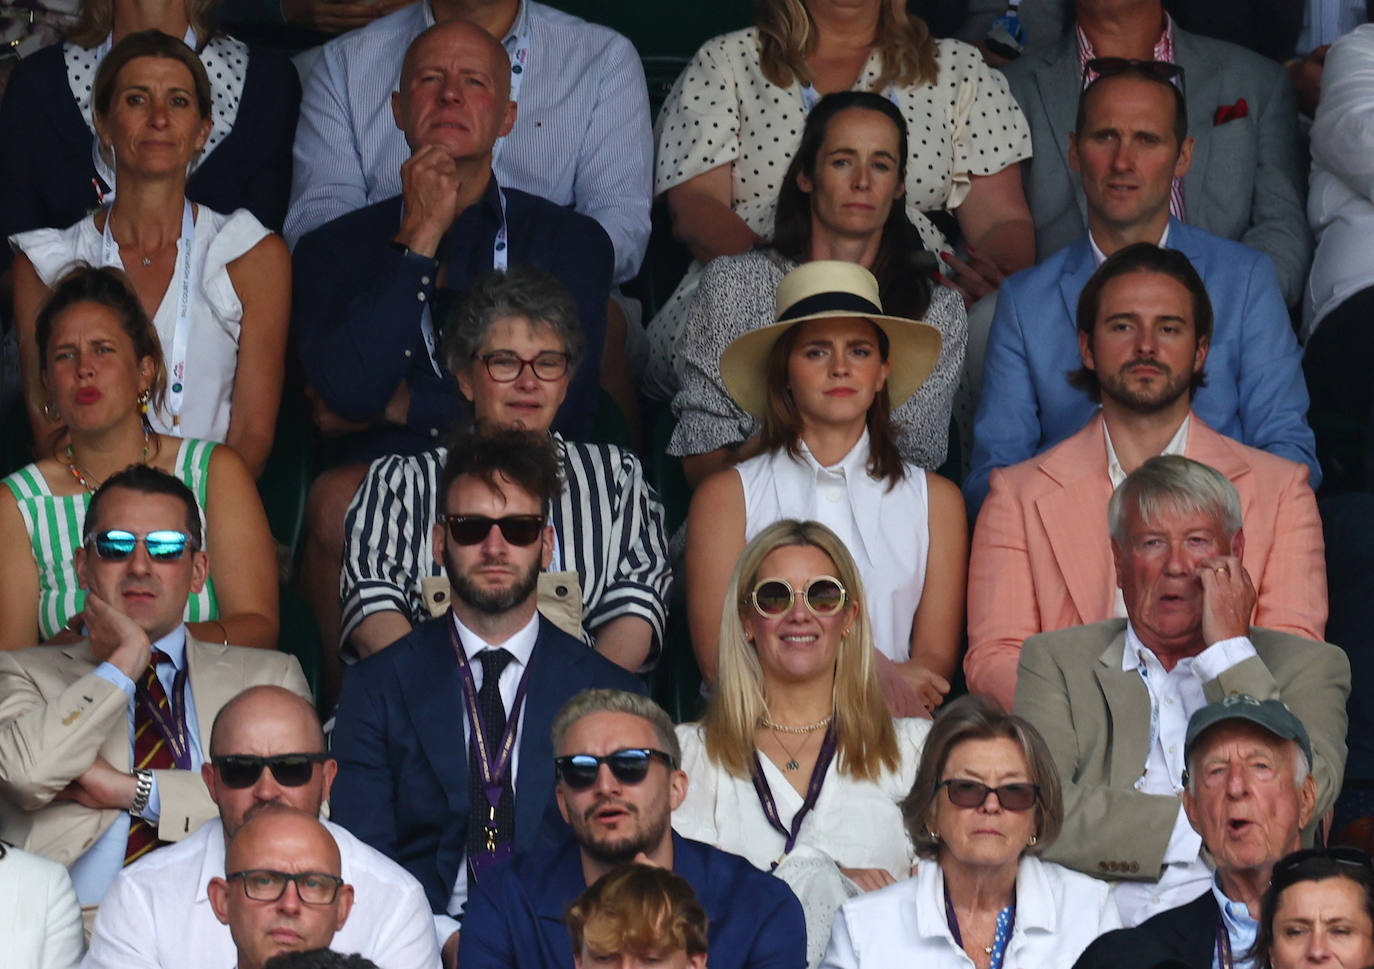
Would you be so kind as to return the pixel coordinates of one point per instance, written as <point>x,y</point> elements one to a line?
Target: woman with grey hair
<point>986,802</point>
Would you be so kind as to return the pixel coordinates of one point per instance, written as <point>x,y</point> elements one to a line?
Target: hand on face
<point>430,183</point>
<point>1228,598</point>
<point>115,638</point>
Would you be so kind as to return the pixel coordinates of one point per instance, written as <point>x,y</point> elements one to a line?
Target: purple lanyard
<point>1224,959</point>
<point>173,731</point>
<point>493,772</point>
<point>813,792</point>
<point>1006,921</point>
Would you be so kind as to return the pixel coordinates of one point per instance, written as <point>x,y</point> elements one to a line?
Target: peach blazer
<point>1042,558</point>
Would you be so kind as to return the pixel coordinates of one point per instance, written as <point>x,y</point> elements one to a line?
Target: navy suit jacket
<point>514,918</point>
<point>1255,391</point>
<point>1185,934</point>
<point>403,766</point>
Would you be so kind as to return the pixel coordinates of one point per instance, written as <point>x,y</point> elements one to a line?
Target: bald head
<point>265,717</point>
<point>454,34</point>
<point>280,835</point>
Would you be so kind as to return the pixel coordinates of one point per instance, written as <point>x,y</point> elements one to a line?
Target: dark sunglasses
<point>515,529</point>
<point>630,766</point>
<point>964,793</point>
<point>265,885</point>
<point>289,770</point>
<point>823,595</point>
<point>1161,71</point>
<point>116,544</point>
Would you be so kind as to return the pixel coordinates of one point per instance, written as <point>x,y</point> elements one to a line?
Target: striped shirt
<point>608,523</point>
<point>581,137</point>
<point>54,523</point>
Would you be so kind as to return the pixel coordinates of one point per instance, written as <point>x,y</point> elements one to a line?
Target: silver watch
<point>142,791</point>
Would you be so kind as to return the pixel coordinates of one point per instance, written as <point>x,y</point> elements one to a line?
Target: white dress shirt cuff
<point>445,926</point>
<point>1184,843</point>
<point>1221,656</point>
<point>113,674</point>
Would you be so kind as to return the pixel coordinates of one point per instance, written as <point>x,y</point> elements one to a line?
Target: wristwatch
<point>142,792</point>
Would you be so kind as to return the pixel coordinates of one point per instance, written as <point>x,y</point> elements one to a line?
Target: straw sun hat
<point>822,290</point>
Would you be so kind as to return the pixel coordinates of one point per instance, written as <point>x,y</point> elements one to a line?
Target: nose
<point>453,89</point>
<point>1237,779</point>
<point>1178,562</point>
<point>525,379</point>
<point>862,176</point>
<point>1121,157</point>
<point>266,788</point>
<point>606,781</point>
<point>158,111</point>
<point>290,901</point>
<point>992,804</point>
<point>85,363</point>
<point>140,563</point>
<point>495,542</point>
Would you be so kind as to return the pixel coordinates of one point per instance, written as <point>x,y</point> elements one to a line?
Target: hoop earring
<point>1032,841</point>
<point>50,413</point>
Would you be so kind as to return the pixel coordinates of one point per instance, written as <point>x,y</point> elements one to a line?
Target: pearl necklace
<point>805,728</point>
<point>80,476</point>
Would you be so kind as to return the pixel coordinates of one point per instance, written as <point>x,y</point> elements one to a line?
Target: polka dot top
<point>722,109</point>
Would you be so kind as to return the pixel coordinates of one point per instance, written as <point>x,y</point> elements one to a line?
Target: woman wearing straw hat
<point>823,379</point>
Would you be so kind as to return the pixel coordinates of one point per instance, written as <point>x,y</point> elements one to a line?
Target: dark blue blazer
<point>514,917</point>
<point>403,767</point>
<point>1186,934</point>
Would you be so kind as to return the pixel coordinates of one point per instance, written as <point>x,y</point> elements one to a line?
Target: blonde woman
<point>797,765</point>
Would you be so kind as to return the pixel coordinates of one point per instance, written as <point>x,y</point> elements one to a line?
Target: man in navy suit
<point>1130,142</point>
<point>618,783</point>
<point>436,734</point>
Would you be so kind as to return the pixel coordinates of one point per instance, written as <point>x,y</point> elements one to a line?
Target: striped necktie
<point>150,752</point>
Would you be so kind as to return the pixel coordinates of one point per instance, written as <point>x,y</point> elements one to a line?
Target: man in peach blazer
<point>1042,557</point>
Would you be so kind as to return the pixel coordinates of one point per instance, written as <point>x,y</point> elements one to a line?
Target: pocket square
<point>1231,112</point>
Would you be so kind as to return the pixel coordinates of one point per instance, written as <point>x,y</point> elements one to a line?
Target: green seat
<point>300,636</point>
<point>286,478</point>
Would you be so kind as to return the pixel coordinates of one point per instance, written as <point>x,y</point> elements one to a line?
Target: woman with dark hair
<point>40,920</point>
<point>216,284</point>
<point>841,199</point>
<point>1318,911</point>
<point>823,380</point>
<point>101,371</point>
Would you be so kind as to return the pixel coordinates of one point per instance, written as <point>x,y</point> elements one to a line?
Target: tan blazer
<point>1095,716</point>
<point>57,716</point>
<point>1042,558</point>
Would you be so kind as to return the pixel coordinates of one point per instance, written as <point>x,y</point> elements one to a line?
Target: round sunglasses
<point>515,529</point>
<point>629,765</point>
<point>116,544</point>
<point>823,595</point>
<point>964,793</point>
<point>238,771</point>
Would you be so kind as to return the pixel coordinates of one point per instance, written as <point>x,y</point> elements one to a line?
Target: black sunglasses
<point>238,771</point>
<point>1161,71</point>
<point>515,529</point>
<point>965,793</point>
<point>630,766</point>
<point>116,544</point>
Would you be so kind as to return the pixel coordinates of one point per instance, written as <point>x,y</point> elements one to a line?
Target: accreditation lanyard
<point>519,61</point>
<point>493,769</point>
<point>500,261</point>
<point>1006,921</point>
<point>813,792</point>
<point>1224,958</point>
<point>181,280</point>
<point>173,730</point>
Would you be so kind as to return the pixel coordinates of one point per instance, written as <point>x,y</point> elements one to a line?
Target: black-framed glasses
<point>824,596</point>
<point>238,771</point>
<point>964,793</point>
<point>630,765</point>
<point>266,885</point>
<point>1162,71</point>
<point>117,544</point>
<point>515,529</point>
<point>505,366</point>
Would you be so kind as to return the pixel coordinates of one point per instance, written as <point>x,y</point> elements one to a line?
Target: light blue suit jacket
<point>1255,392</point>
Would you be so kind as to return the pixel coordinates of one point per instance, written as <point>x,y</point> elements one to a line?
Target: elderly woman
<point>100,365</point>
<point>218,285</point>
<point>841,199</point>
<point>731,123</point>
<point>1318,911</point>
<point>823,380</point>
<point>985,803</point>
<point>797,765</point>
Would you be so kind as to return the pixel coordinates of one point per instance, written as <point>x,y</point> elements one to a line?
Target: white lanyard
<point>500,261</point>
<point>519,62</point>
<point>810,96</point>
<point>181,279</point>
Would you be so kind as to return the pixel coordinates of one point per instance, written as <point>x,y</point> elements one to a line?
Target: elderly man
<point>1130,143</point>
<point>607,923</point>
<point>618,782</point>
<point>1248,793</point>
<point>1041,553</point>
<point>1113,698</point>
<point>512,348</point>
<point>266,748</point>
<point>281,890</point>
<point>101,740</point>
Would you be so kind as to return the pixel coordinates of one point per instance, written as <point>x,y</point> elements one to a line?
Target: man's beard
<point>1117,388</point>
<point>493,602</point>
<point>622,850</point>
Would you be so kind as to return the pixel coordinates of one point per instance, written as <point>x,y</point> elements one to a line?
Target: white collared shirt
<point>1175,695</point>
<point>1099,257</point>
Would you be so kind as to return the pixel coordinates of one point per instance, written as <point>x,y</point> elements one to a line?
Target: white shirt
<point>1326,20</point>
<point>1099,257</point>
<point>157,914</point>
<point>521,647</point>
<point>1175,695</point>
<point>40,922</point>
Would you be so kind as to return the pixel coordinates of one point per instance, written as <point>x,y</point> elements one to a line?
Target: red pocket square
<point>1231,112</point>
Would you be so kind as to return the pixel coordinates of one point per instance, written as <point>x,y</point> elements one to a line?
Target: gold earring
<point>1033,840</point>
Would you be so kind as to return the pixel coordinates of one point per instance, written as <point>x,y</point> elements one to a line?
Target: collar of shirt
<point>174,645</point>
<point>1175,446</point>
<point>1239,926</point>
<point>520,646</point>
<point>1138,656</point>
<point>801,479</point>
<point>1163,49</point>
<point>516,26</point>
<point>1099,257</point>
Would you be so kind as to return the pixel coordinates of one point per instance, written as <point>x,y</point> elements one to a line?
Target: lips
<point>841,392</point>
<point>610,812</point>
<point>87,395</point>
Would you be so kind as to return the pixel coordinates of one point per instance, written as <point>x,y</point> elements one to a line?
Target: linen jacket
<point>1245,181</point>
<point>1042,557</point>
<point>57,716</point>
<point>1095,717</point>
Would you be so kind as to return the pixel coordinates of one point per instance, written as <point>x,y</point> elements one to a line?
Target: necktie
<point>150,752</point>
<point>494,720</point>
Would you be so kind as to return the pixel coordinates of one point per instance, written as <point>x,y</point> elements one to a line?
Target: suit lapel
<point>1203,83</point>
<point>1078,465</point>
<point>1128,702</point>
<point>433,696</point>
<point>549,688</point>
<point>1058,90</point>
<point>215,680</point>
<point>1079,268</point>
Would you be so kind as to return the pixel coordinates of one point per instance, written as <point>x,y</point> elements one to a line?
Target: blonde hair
<point>866,739</point>
<point>96,21</point>
<point>787,35</point>
<point>638,909</point>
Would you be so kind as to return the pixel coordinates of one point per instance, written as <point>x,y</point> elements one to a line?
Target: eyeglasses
<point>1161,71</point>
<point>629,765</point>
<point>505,367</point>
<point>116,544</point>
<point>965,793</point>
<point>515,529</point>
<point>238,771</point>
<point>265,885</point>
<point>823,595</point>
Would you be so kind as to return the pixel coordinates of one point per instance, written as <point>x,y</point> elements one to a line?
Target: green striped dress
<point>54,523</point>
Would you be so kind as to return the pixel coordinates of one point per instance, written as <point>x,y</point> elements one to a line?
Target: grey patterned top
<point>737,295</point>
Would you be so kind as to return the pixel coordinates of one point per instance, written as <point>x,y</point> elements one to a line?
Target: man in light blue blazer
<point>1245,182</point>
<point>1130,144</point>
